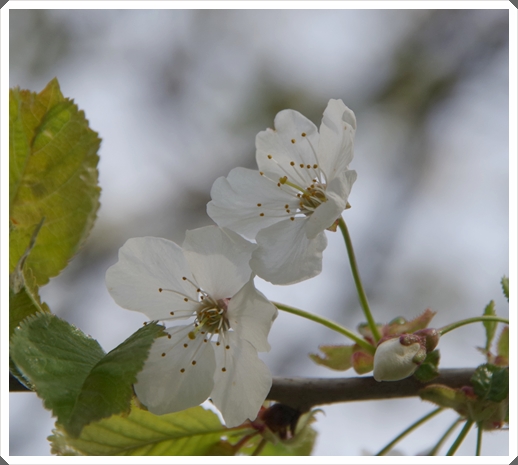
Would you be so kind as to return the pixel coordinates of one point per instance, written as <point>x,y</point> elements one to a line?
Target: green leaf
<point>56,358</point>
<point>337,357</point>
<point>108,387</point>
<point>428,370</point>
<point>194,431</point>
<point>505,286</point>
<point>491,382</point>
<point>25,302</point>
<point>52,175</point>
<point>502,348</point>
<point>490,325</point>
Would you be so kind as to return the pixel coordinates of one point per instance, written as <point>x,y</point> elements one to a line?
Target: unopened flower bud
<point>395,360</point>
<point>429,337</point>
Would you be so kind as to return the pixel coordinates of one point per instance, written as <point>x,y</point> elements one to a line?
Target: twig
<point>305,393</point>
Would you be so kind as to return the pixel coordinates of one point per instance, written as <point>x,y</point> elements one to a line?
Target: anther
<point>227,347</point>
<point>262,214</point>
<point>182,370</point>
<point>186,345</point>
<point>315,166</point>
<point>259,204</point>
<point>160,289</point>
<point>308,167</point>
<point>223,369</point>
<point>163,354</point>
<point>303,134</point>
<point>292,141</point>
<point>292,218</point>
<point>292,163</point>
<point>184,278</point>
<point>186,299</point>
<point>168,336</point>
<point>269,157</point>
<point>194,362</point>
<point>171,313</point>
<point>261,173</point>
<point>302,165</point>
<point>192,335</point>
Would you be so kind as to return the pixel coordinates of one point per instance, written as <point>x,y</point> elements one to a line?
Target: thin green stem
<point>463,433</point>
<point>357,280</point>
<point>467,321</point>
<point>411,428</point>
<point>445,436</point>
<point>260,447</point>
<point>479,439</point>
<point>329,324</point>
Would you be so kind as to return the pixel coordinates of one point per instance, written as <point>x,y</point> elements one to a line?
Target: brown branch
<point>305,393</point>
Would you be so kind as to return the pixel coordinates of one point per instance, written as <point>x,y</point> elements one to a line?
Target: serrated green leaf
<point>107,389</point>
<point>52,174</point>
<point>490,325</point>
<point>336,357</point>
<point>194,431</point>
<point>25,302</point>
<point>56,358</point>
<point>502,348</point>
<point>505,286</point>
<point>22,304</point>
<point>429,369</point>
<point>491,382</point>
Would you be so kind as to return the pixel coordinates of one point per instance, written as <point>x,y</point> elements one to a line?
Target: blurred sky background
<point>178,96</point>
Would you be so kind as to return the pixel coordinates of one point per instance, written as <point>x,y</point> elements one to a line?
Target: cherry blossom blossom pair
<point>300,190</point>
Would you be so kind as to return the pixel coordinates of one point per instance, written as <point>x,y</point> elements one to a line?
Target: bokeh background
<point>178,97</point>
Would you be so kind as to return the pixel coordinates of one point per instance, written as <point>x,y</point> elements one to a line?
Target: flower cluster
<point>300,190</point>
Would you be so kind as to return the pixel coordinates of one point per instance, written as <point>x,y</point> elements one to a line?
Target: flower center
<point>211,317</point>
<point>310,198</point>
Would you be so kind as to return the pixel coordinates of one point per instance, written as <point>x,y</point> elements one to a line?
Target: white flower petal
<point>251,316</point>
<point>162,386</point>
<point>238,201</point>
<point>218,260</point>
<point>394,361</point>
<point>240,390</point>
<point>328,212</point>
<point>147,264</point>
<point>294,139</point>
<point>286,255</point>
<point>336,145</point>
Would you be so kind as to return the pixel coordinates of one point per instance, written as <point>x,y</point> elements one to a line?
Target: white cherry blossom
<point>300,190</point>
<point>208,282</point>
